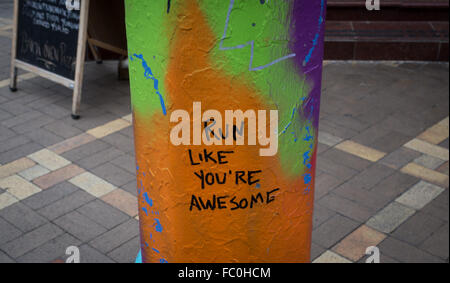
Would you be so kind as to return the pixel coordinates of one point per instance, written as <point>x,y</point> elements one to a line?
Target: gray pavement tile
<point>127,252</point>
<point>20,119</point>
<point>54,111</point>
<point>131,187</point>
<point>369,199</point>
<point>13,142</point>
<point>333,230</point>
<point>346,207</point>
<point>120,141</point>
<point>86,150</point>
<point>336,130</point>
<point>116,236</point>
<point>8,232</point>
<point>444,144</point>
<point>31,240</point>
<point>438,243</point>
<point>325,183</point>
<point>14,108</point>
<point>420,195</point>
<point>113,174</point>
<point>4,258</point>
<point>400,157</point>
<point>316,251</point>
<point>392,216</point>
<point>63,129</point>
<point>52,250</point>
<point>19,152</point>
<point>417,228</point>
<point>404,252</point>
<point>33,124</point>
<point>80,226</point>
<point>99,158</point>
<point>395,185</point>
<point>321,214</point>
<point>90,255</point>
<point>339,171</point>
<point>429,161</point>
<point>126,162</point>
<point>44,137</point>
<point>22,217</point>
<point>66,204</point>
<point>391,142</point>
<point>6,133</point>
<point>439,207</point>
<point>370,177</point>
<point>50,195</point>
<point>90,122</point>
<point>368,136</point>
<point>103,214</point>
<point>128,132</point>
<point>346,159</point>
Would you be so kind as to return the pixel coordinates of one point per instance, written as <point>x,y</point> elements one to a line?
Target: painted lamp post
<point>225,97</point>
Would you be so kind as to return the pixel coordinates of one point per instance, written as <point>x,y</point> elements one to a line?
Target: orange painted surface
<point>276,232</point>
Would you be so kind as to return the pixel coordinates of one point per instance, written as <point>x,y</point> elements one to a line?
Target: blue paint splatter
<point>149,75</point>
<point>163,261</point>
<point>316,37</point>
<point>148,200</point>
<point>145,210</point>
<point>158,227</point>
<point>155,250</point>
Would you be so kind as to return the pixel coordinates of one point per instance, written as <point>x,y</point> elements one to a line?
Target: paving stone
<point>8,231</point>
<point>392,216</point>
<point>361,151</point>
<point>331,257</point>
<point>92,184</point>
<point>419,195</point>
<point>128,118</point>
<point>131,187</point>
<point>43,137</point>
<point>19,152</point>
<point>347,159</point>
<point>321,214</point>
<point>354,192</point>
<point>438,243</point>
<point>127,252</point>
<point>13,142</point>
<point>58,176</point>
<point>50,195</point>
<point>400,157</point>
<point>428,148</point>
<point>390,142</point>
<point>370,177</point>
<point>50,251</point>
<point>354,245</point>
<point>99,158</point>
<point>22,217</point>
<point>15,167</point>
<point>71,143</point>
<point>316,251</point>
<point>406,253</point>
<point>346,207</point>
<point>395,185</point>
<point>329,139</point>
<point>49,159</point>
<point>435,135</point>
<point>445,144</point>
<point>66,204</point>
<point>91,255</point>
<point>333,230</point>
<point>14,108</point>
<point>341,172</point>
<point>80,226</point>
<point>325,183</point>
<point>443,168</point>
<point>31,240</point>
<point>429,161</point>
<point>113,174</point>
<point>439,207</point>
<point>417,228</point>
<point>7,199</point>
<point>33,124</point>
<point>121,142</point>
<point>4,258</point>
<point>103,214</point>
<point>426,174</point>
<point>34,172</point>
<point>19,187</point>
<point>126,162</point>
<point>122,200</point>
<point>116,237</point>
<point>62,129</point>
<point>109,128</point>
<point>85,150</point>
<point>6,133</point>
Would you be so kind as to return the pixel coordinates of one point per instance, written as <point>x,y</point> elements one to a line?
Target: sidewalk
<point>382,176</point>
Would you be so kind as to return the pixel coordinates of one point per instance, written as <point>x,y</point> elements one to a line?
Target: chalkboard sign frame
<point>77,82</point>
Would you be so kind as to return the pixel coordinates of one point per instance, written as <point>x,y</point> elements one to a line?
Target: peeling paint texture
<point>228,55</point>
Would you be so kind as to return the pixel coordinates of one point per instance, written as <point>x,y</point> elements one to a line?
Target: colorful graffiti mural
<point>223,201</point>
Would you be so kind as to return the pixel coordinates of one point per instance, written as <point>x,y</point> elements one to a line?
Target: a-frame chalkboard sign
<point>50,40</point>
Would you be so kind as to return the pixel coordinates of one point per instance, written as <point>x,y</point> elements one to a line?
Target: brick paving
<point>382,177</point>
